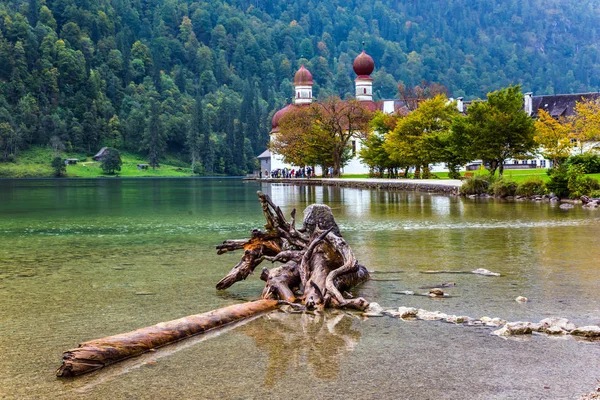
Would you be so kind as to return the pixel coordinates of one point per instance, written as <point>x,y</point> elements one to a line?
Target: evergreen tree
<point>154,141</point>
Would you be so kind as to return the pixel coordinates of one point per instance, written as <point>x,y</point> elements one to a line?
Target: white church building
<point>303,82</point>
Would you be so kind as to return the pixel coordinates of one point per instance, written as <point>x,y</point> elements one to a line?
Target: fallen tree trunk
<point>96,354</point>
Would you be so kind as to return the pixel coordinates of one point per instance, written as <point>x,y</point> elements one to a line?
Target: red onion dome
<point>277,117</point>
<point>363,64</point>
<point>303,77</point>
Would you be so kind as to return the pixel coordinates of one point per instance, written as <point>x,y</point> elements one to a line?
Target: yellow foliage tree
<point>554,137</point>
<point>586,122</point>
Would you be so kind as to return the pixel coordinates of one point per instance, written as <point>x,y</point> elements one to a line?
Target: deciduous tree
<point>586,123</point>
<point>554,137</point>
<point>497,129</point>
<point>419,137</point>
<point>320,134</point>
<point>111,161</point>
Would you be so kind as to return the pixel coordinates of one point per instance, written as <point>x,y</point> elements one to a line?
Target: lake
<point>83,259</point>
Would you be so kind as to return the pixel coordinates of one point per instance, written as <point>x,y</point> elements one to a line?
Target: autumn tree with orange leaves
<point>320,133</point>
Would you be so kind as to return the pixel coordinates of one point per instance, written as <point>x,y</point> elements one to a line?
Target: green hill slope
<point>201,79</point>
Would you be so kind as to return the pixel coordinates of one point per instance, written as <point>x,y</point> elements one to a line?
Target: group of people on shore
<point>305,172</point>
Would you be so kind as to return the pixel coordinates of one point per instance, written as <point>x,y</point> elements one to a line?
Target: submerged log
<point>96,354</point>
<point>319,263</point>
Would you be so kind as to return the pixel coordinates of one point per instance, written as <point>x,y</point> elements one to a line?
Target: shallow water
<point>83,259</point>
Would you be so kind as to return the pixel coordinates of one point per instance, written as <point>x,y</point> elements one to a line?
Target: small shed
<point>265,164</point>
<point>101,154</point>
<point>143,166</point>
<point>71,161</point>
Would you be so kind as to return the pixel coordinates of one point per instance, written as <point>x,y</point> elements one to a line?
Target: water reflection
<point>294,341</point>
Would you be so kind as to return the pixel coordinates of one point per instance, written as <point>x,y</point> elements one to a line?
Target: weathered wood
<point>96,354</point>
<point>315,254</point>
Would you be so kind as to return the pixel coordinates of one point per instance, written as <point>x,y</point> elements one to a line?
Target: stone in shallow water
<point>560,323</point>
<point>407,312</point>
<point>436,292</point>
<point>431,315</point>
<point>487,321</point>
<point>374,310</point>
<point>521,299</point>
<point>483,271</point>
<point>516,328</point>
<point>566,206</point>
<point>591,331</point>
<point>554,330</point>
<point>457,319</point>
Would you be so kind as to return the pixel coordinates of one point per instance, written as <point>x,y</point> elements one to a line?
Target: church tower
<point>303,83</point>
<point>363,67</point>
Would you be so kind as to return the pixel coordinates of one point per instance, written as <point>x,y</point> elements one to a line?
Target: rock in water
<point>550,325</point>
<point>487,321</point>
<point>431,315</point>
<point>516,328</point>
<point>482,271</point>
<point>566,206</point>
<point>521,299</point>
<point>374,310</point>
<point>436,292</point>
<point>457,319</point>
<point>407,312</point>
<point>592,331</point>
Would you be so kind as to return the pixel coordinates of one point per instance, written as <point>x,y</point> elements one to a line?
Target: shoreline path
<point>448,186</point>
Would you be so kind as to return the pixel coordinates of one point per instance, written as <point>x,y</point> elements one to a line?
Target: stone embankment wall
<point>404,185</point>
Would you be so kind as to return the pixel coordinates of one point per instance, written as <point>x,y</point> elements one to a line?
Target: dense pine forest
<point>200,80</point>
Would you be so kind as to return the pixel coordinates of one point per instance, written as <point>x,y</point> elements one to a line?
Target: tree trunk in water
<point>96,354</point>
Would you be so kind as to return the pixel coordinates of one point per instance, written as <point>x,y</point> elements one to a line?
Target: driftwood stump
<point>318,264</point>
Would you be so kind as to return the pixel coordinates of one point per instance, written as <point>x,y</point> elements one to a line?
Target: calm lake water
<point>83,259</point>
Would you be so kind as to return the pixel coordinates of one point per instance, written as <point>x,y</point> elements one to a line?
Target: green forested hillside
<point>201,79</point>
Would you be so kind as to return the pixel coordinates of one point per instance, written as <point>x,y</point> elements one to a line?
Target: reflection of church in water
<point>303,82</point>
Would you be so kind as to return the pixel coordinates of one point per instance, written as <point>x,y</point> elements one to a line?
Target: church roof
<point>277,117</point>
<point>363,65</point>
<point>303,77</point>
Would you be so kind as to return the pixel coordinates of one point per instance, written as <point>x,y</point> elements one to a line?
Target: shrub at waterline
<point>579,184</point>
<point>531,187</point>
<point>504,187</point>
<point>477,184</point>
<point>570,181</point>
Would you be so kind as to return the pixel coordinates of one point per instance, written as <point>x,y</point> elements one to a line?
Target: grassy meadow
<point>35,163</point>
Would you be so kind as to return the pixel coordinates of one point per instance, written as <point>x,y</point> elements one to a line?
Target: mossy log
<point>96,354</point>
